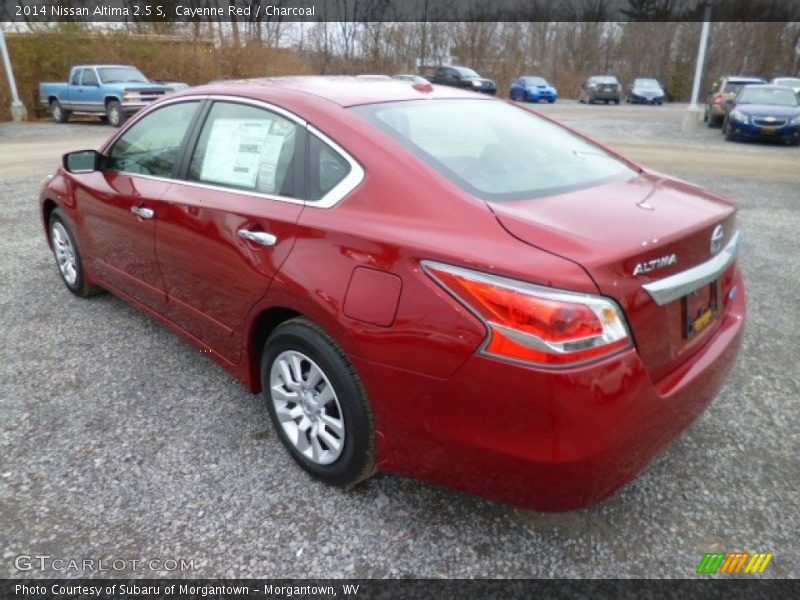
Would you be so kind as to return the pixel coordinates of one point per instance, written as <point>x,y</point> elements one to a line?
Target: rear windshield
<point>604,79</point>
<point>534,80</point>
<point>647,84</point>
<point>494,150</point>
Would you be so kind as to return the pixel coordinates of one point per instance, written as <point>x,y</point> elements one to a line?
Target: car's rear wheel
<point>317,403</point>
<point>58,113</point>
<point>68,257</point>
<point>114,113</point>
<point>616,101</point>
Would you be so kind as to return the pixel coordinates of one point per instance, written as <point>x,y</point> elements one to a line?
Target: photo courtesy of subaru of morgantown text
<point>419,279</point>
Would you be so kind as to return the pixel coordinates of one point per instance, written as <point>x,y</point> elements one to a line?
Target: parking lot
<point>120,441</point>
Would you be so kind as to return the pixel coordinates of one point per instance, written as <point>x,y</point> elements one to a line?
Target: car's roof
<point>766,86</point>
<point>736,78</point>
<point>100,66</point>
<point>342,90</point>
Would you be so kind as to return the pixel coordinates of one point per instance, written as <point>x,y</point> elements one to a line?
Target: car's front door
<point>89,95</point>
<point>225,231</point>
<point>119,205</point>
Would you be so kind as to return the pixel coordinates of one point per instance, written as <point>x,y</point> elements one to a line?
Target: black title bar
<point>187,11</point>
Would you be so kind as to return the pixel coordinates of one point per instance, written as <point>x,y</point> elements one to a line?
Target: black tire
<point>58,113</point>
<point>79,286</point>
<point>605,102</point>
<point>358,455</point>
<point>616,101</point>
<point>551,100</point>
<point>727,131</point>
<point>114,114</point>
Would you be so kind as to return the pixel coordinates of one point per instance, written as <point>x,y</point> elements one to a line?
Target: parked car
<point>645,90</point>
<point>792,82</point>
<point>532,89</point>
<point>462,77</point>
<point>723,91</point>
<point>766,112</point>
<point>602,88</point>
<point>409,77</point>
<point>112,91</point>
<point>448,289</point>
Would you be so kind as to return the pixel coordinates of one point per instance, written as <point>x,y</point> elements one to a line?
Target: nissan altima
<point>420,280</point>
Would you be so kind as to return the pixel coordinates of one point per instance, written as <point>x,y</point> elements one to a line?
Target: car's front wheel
<point>318,404</point>
<point>727,131</point>
<point>114,113</point>
<point>68,258</point>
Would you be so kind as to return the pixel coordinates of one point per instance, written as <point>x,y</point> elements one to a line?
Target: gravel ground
<point>119,441</point>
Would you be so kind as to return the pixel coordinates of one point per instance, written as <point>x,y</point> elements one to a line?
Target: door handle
<point>144,213</point>
<point>259,237</point>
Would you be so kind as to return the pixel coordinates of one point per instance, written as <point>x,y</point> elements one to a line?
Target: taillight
<point>535,324</point>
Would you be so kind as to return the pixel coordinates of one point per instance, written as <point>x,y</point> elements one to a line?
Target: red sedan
<point>420,280</point>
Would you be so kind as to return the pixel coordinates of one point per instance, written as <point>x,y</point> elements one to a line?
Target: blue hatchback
<point>765,112</point>
<point>533,89</point>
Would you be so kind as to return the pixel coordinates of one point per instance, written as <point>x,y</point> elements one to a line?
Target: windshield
<point>773,96</point>
<point>494,150</point>
<point>121,75</point>
<point>604,79</point>
<point>647,84</point>
<point>734,87</point>
<point>534,81</point>
<point>464,72</point>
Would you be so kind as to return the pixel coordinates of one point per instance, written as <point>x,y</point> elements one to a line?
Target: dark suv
<point>605,88</point>
<point>465,78</point>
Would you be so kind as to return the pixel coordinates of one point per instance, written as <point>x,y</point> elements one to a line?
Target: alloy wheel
<point>65,254</point>
<point>307,407</point>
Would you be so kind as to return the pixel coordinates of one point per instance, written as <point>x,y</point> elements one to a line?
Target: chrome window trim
<point>676,286</point>
<point>347,184</point>
<point>329,200</point>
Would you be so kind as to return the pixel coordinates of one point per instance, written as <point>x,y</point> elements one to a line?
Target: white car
<point>792,82</point>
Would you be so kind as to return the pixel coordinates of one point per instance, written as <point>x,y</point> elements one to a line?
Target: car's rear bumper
<point>604,96</point>
<point>545,439</point>
<point>535,96</point>
<point>784,133</point>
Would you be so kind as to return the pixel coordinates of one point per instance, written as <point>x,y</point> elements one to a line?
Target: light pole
<point>18,112</point>
<point>693,111</point>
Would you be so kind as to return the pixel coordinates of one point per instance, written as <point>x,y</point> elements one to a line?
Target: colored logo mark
<point>736,562</point>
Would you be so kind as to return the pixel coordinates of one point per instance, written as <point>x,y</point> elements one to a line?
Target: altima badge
<point>716,239</point>
<point>656,263</point>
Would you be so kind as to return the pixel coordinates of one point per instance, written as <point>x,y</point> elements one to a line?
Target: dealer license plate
<point>699,309</point>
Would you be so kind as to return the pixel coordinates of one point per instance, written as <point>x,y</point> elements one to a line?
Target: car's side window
<point>153,144</point>
<point>246,147</point>
<point>76,77</point>
<point>326,168</point>
<point>89,77</point>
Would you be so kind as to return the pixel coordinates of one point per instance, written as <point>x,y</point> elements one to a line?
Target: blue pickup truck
<point>112,91</point>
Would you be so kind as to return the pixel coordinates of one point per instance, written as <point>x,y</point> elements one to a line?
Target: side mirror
<point>83,161</point>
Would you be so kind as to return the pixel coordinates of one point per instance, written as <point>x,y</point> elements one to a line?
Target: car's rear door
<point>223,233</point>
<point>118,206</point>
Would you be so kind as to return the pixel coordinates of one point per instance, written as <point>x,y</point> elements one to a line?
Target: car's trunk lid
<point>627,234</point>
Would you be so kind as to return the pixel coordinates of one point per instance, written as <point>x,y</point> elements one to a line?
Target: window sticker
<point>242,153</point>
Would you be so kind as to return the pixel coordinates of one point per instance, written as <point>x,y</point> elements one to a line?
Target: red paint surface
<point>541,438</point>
